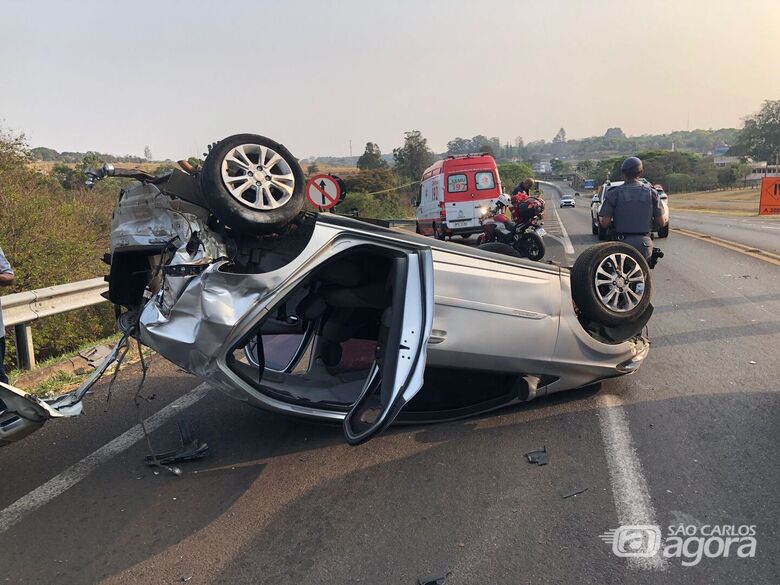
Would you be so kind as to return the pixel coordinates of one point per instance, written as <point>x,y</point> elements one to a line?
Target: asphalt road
<point>760,232</point>
<point>692,438</point>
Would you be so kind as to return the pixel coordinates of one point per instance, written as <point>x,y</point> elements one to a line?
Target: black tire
<point>594,228</point>
<point>531,246</point>
<point>584,289</point>
<point>499,248</point>
<point>602,233</point>
<point>664,231</point>
<point>240,215</point>
<point>417,227</point>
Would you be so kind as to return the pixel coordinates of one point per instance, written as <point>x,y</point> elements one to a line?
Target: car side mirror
<point>414,202</point>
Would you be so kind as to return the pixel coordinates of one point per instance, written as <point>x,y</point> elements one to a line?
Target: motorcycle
<point>523,231</point>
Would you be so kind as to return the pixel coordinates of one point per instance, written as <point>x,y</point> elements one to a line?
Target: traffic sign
<point>769,203</point>
<point>323,191</point>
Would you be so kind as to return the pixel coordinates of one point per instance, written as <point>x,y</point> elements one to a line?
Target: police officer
<point>633,210</point>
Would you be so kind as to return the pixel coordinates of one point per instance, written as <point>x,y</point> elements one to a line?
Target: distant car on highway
<point>567,201</point>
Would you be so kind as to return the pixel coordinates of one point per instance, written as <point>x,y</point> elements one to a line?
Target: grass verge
<point>742,202</point>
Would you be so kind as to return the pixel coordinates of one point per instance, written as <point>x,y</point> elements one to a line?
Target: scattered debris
<point>191,448</point>
<point>539,457</point>
<point>574,493</point>
<point>185,578</point>
<point>752,362</point>
<point>96,355</point>
<point>434,579</point>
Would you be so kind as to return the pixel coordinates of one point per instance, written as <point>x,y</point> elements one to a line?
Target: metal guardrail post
<point>25,351</point>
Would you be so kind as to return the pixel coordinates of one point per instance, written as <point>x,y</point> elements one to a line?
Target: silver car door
<point>397,372</point>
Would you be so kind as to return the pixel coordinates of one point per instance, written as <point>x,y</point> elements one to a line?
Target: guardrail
<point>21,309</point>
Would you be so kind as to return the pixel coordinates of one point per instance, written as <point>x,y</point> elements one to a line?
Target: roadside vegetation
<point>729,201</point>
<point>53,233</point>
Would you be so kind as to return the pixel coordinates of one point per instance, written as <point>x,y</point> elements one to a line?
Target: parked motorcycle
<point>521,235</point>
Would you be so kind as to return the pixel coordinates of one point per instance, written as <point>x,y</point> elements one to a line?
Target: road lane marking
<point>59,484</point>
<point>629,487</point>
<point>751,251</point>
<point>567,247</point>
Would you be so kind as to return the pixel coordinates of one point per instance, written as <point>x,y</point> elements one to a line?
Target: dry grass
<point>342,172</point>
<point>732,202</point>
<point>45,166</point>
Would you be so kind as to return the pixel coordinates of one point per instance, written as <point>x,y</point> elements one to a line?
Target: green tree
<point>459,146</point>
<point>679,183</point>
<point>512,173</point>
<point>312,169</point>
<point>371,158</point>
<point>413,157</point>
<point>51,236</point>
<point>370,181</point>
<point>559,166</point>
<point>585,168</point>
<point>760,138</point>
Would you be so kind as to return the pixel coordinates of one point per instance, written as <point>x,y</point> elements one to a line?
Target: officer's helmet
<point>632,167</point>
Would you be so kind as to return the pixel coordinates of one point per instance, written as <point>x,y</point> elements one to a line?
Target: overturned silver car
<point>328,317</point>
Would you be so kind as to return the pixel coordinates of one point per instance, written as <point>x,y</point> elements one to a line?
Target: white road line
<point>75,473</point>
<point>567,247</point>
<point>629,487</point>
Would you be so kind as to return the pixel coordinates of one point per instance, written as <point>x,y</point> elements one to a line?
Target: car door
<point>396,375</point>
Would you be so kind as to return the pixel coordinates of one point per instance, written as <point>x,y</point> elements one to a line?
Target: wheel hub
<point>619,282</point>
<point>258,177</point>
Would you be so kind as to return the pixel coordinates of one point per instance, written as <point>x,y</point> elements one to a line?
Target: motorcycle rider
<point>632,210</point>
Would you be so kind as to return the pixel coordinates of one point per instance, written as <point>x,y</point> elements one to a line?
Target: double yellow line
<point>741,248</point>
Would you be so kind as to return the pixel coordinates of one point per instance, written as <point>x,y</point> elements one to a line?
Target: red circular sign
<point>323,191</point>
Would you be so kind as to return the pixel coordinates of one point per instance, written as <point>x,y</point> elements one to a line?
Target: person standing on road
<point>632,210</point>
<point>6,279</point>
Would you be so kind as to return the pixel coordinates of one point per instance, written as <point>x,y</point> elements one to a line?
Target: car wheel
<point>252,184</point>
<point>664,231</point>
<point>594,229</point>
<point>500,248</point>
<point>531,246</point>
<point>602,233</point>
<point>417,227</point>
<point>611,284</point>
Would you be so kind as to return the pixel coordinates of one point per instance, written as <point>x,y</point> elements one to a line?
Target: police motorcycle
<point>514,228</point>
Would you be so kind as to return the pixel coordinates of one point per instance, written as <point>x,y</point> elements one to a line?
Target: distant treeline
<point>49,154</point>
<point>614,141</point>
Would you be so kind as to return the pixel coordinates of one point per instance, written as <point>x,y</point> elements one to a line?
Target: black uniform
<point>634,207</point>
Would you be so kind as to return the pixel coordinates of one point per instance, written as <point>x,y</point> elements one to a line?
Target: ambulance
<point>454,193</point>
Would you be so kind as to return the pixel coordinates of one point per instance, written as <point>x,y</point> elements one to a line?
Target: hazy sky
<point>115,76</point>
